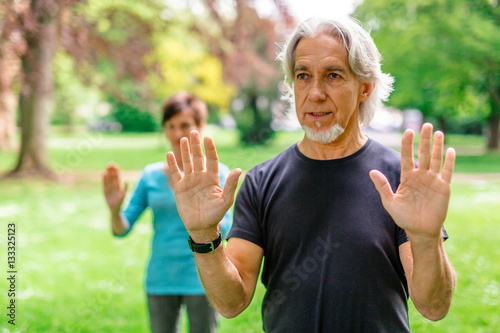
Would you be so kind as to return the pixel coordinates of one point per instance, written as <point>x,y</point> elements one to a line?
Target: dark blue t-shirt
<point>331,258</point>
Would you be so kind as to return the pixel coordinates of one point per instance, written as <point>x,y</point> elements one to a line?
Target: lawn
<point>74,276</point>
<point>91,151</point>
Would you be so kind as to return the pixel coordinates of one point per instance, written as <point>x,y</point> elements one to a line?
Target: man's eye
<point>301,76</point>
<point>333,75</point>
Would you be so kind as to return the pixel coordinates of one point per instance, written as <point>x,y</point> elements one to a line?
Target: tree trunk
<point>494,120</point>
<point>36,92</point>
<point>443,126</point>
<point>10,65</point>
<point>12,46</point>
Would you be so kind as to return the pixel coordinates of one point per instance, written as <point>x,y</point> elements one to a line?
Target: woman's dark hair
<point>185,101</point>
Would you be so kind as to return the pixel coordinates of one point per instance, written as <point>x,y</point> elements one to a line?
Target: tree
<point>245,43</point>
<point>182,62</point>
<point>12,45</point>
<point>39,23</point>
<point>140,53</point>
<point>110,41</point>
<point>444,54</point>
<point>43,24</point>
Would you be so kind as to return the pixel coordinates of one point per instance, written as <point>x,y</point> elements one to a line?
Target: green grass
<point>486,163</point>
<point>473,249</point>
<point>74,276</point>
<point>91,151</point>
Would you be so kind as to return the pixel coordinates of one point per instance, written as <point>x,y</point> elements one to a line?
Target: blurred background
<point>82,83</point>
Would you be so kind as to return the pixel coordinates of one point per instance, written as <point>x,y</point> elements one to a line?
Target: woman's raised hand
<point>113,190</point>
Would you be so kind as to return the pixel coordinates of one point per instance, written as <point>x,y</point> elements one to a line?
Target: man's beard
<point>325,136</point>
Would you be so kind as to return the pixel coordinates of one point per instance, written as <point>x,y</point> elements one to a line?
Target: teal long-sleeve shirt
<point>171,269</point>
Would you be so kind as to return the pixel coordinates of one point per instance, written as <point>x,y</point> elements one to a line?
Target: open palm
<point>200,200</point>
<point>420,203</point>
<point>113,190</point>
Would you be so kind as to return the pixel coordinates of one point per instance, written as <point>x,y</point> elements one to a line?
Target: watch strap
<point>208,247</point>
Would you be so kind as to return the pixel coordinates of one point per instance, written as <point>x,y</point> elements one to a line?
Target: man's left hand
<point>420,203</point>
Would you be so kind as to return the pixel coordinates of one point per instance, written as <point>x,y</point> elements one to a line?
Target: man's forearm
<point>222,282</point>
<point>229,275</point>
<point>432,279</point>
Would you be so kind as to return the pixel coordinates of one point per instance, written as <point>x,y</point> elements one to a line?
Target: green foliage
<point>254,126</point>
<point>145,51</point>
<point>69,93</point>
<point>443,54</point>
<point>132,119</point>
<point>183,63</point>
<point>254,120</point>
<point>117,19</point>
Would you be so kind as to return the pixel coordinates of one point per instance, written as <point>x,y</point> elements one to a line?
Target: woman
<point>171,278</point>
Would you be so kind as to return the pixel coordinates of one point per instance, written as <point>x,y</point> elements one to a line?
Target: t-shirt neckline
<point>344,159</point>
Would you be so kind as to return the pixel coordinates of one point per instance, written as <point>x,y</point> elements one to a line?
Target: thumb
<point>230,185</point>
<point>382,185</point>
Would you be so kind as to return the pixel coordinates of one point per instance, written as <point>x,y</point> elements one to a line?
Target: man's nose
<point>317,92</point>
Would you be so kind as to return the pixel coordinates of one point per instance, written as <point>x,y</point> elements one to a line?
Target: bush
<point>132,119</point>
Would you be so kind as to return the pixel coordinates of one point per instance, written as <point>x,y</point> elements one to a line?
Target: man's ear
<point>365,90</point>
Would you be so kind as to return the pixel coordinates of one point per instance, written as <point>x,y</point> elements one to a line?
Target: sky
<point>303,9</point>
<point>300,9</point>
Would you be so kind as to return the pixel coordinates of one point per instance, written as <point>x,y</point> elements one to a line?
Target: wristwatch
<point>204,247</point>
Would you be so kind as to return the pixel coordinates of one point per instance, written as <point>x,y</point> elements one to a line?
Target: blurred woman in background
<point>171,277</point>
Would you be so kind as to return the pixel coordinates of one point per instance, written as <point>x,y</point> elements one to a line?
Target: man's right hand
<point>200,200</point>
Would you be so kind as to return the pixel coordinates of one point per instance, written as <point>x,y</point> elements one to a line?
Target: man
<point>339,257</point>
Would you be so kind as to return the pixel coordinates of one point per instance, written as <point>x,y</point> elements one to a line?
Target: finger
<point>198,158</point>
<point>383,187</point>
<point>173,170</point>
<point>111,167</point>
<point>449,164</point>
<point>112,180</point>
<point>230,186</point>
<point>187,162</point>
<point>424,150</point>
<point>125,187</point>
<point>211,152</point>
<point>116,178</point>
<point>437,152</point>
<point>407,159</point>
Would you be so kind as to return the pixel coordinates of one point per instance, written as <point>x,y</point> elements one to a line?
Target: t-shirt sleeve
<point>227,220</point>
<point>246,223</point>
<point>138,203</point>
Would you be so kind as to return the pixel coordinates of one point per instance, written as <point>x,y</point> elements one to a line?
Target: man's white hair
<point>363,55</point>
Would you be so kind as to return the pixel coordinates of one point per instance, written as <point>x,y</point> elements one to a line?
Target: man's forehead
<point>321,45</point>
<point>327,67</point>
<point>323,50</point>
